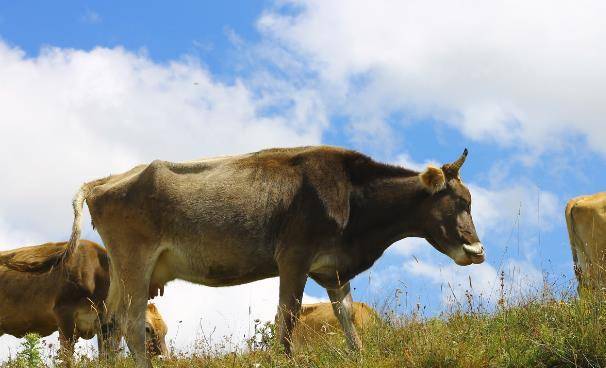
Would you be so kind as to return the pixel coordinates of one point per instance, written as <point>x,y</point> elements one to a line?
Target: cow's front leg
<point>292,282</point>
<point>342,306</point>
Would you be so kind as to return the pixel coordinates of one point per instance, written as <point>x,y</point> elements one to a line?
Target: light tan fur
<point>586,221</point>
<point>156,331</point>
<point>39,258</point>
<point>433,179</point>
<point>318,320</point>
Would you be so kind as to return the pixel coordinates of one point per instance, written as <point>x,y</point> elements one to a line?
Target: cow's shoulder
<point>334,173</point>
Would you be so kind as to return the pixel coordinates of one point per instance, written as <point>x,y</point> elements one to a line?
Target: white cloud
<point>68,116</point>
<point>500,210</point>
<point>409,247</point>
<point>210,314</point>
<point>408,162</point>
<point>10,236</point>
<point>508,72</point>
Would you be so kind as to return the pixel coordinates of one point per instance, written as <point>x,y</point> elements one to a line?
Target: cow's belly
<point>22,322</point>
<point>24,308</point>
<point>20,319</point>
<point>215,263</point>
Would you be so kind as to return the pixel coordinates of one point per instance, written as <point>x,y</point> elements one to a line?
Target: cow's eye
<point>463,204</point>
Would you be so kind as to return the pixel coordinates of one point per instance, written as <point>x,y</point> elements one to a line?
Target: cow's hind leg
<point>135,325</point>
<point>342,306</point>
<point>129,288</point>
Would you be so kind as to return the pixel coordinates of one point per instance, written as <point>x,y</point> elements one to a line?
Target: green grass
<point>537,333</point>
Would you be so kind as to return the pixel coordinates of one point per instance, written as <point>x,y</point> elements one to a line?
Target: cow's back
<point>586,221</point>
<point>245,189</point>
<point>230,188</point>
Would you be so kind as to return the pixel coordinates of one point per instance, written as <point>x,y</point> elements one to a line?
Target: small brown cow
<point>319,319</point>
<point>40,292</point>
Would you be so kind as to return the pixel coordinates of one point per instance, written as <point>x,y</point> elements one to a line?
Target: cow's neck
<point>383,212</point>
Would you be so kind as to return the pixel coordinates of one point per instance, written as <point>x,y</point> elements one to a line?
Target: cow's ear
<point>433,179</point>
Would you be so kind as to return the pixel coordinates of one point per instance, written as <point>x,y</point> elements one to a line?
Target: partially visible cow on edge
<point>155,332</point>
<point>323,212</point>
<point>318,320</point>
<point>42,293</point>
<point>586,220</point>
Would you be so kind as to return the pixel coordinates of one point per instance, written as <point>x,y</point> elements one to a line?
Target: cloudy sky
<point>94,88</point>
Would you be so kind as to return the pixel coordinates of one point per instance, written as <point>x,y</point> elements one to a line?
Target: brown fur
<point>325,212</point>
<point>40,294</point>
<point>586,221</point>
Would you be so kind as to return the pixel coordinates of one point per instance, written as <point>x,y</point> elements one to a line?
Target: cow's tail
<point>78,204</point>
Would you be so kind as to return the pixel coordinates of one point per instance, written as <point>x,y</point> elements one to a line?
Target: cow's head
<point>446,214</point>
<point>155,332</point>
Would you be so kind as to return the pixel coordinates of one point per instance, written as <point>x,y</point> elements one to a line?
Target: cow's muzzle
<point>468,254</point>
<point>475,252</point>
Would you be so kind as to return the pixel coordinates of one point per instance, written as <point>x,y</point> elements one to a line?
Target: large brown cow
<point>40,294</point>
<point>323,212</point>
<point>586,220</point>
<point>318,319</point>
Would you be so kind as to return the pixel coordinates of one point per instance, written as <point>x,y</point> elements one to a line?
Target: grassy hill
<point>543,332</point>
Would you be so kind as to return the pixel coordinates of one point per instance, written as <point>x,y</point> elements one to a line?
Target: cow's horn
<point>456,166</point>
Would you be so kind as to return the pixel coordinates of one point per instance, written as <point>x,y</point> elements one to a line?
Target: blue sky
<point>408,83</point>
<point>167,32</point>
